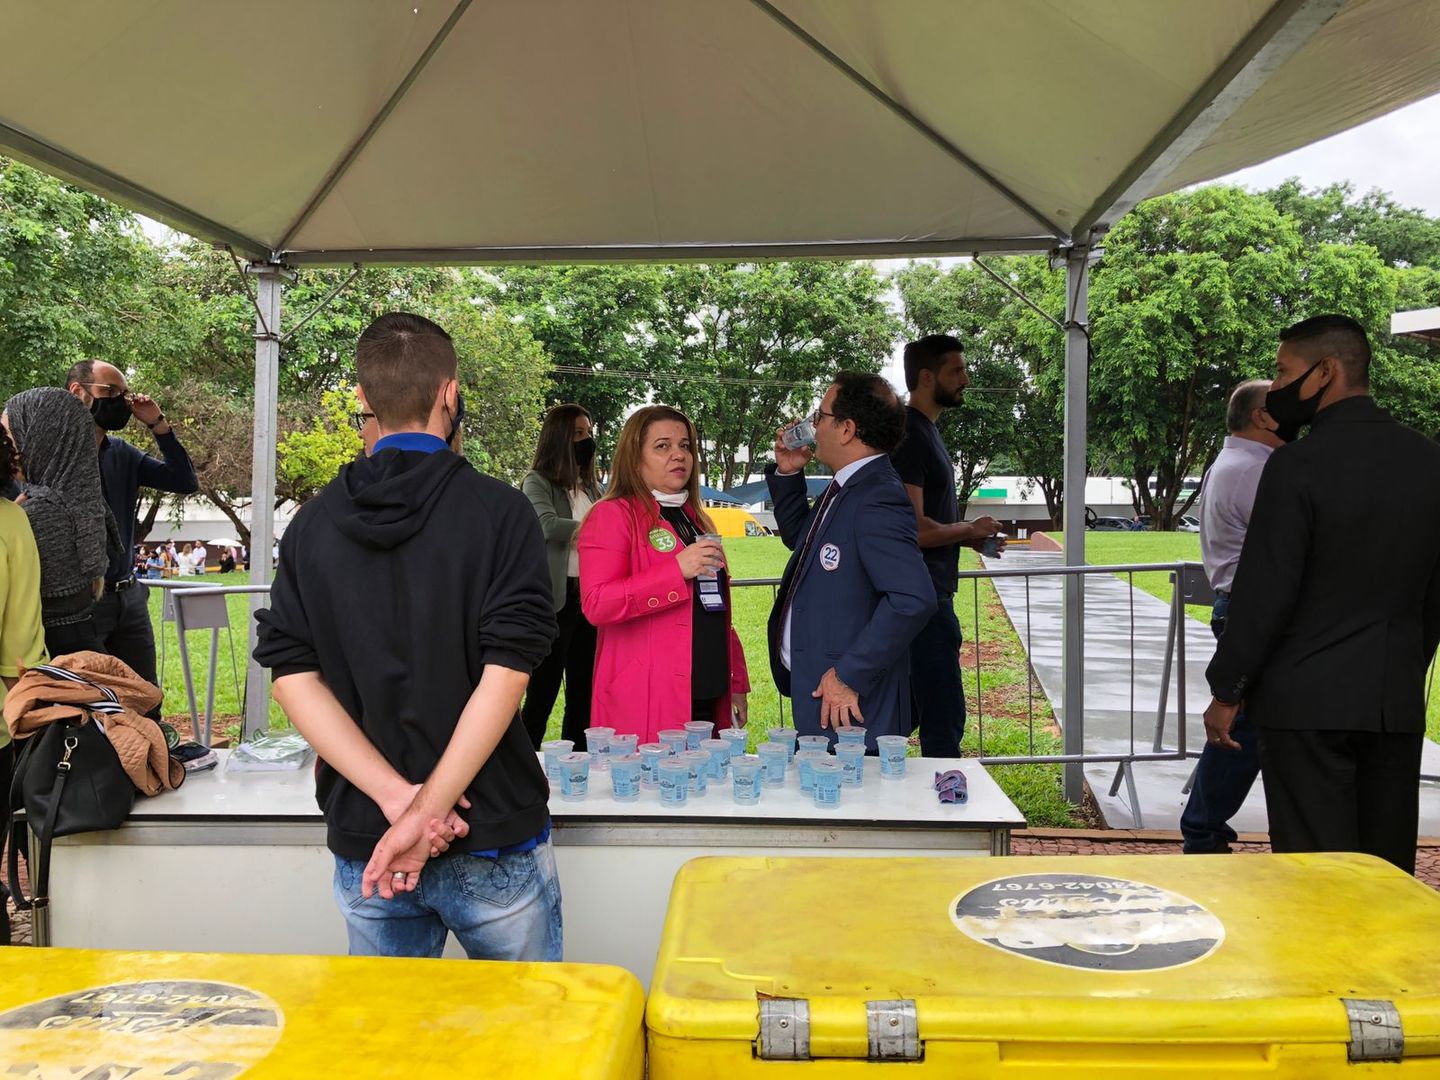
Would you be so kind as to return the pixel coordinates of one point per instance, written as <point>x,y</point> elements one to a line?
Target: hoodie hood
<point>383,501</point>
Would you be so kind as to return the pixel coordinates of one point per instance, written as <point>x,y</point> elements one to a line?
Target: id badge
<point>711,596</point>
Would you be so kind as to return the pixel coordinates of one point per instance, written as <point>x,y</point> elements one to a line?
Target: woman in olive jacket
<point>562,487</point>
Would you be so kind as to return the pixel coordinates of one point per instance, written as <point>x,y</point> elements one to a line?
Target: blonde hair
<point>626,478</point>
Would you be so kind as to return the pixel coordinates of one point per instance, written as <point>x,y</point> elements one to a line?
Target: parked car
<point>1110,524</point>
<point>1188,524</point>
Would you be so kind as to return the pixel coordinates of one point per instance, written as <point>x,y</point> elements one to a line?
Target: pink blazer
<point>642,607</point>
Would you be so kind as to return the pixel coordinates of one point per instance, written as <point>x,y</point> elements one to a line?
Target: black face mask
<point>1289,410</point>
<point>459,416</point>
<point>111,413</point>
<point>584,452</point>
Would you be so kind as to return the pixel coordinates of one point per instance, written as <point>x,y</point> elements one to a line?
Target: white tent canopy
<point>482,130</point>
<point>336,131</point>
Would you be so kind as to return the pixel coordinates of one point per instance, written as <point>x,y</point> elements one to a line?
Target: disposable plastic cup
<point>552,751</point>
<point>597,742</point>
<point>624,744</point>
<point>805,762</point>
<point>745,779</point>
<point>826,774</point>
<point>674,738</point>
<point>719,751</point>
<point>773,758</point>
<point>674,781</point>
<point>892,756</point>
<point>651,754</point>
<point>574,776</point>
<point>852,762</point>
<point>847,736</point>
<point>813,742</point>
<point>710,575</point>
<point>785,736</point>
<point>625,777</point>
<point>696,732</point>
<point>698,762</point>
<point>737,739</point>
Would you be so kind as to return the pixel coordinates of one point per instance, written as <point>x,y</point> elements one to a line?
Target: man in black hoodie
<point>412,602</point>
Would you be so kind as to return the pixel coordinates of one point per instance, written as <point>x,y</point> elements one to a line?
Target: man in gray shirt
<point>1223,778</point>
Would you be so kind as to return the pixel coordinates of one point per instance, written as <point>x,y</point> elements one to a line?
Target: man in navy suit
<point>856,591</point>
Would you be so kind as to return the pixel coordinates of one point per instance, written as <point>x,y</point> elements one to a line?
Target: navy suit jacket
<point>862,595</point>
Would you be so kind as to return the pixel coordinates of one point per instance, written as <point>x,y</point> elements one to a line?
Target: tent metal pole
<point>1077,364</point>
<point>269,280</point>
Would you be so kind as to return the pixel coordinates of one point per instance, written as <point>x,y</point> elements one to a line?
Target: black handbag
<point>68,780</point>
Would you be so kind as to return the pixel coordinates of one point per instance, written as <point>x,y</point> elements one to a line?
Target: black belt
<point>120,586</point>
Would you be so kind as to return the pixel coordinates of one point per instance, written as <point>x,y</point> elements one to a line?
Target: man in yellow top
<point>22,638</point>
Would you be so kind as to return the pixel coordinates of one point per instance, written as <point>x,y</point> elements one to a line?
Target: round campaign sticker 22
<point>662,539</point>
<point>142,1031</point>
<point>1088,921</point>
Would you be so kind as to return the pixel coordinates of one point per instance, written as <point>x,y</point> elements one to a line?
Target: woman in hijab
<point>60,494</point>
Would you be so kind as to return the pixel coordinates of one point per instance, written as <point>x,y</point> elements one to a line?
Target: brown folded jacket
<point>39,698</point>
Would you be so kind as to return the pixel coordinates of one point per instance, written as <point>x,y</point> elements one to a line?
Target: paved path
<point>1112,723</point>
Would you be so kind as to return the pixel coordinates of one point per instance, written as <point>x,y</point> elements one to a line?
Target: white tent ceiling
<point>478,130</point>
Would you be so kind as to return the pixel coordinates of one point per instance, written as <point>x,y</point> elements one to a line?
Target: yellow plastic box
<point>199,1016</point>
<point>1163,967</point>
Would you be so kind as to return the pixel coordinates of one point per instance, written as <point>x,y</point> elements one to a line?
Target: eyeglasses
<point>111,390</point>
<point>360,419</point>
<point>818,413</point>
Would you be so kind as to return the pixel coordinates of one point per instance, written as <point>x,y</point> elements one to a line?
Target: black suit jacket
<point>1335,609</point>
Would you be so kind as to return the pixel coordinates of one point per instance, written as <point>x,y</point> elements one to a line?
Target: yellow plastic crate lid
<point>199,1016</point>
<point>1238,950</point>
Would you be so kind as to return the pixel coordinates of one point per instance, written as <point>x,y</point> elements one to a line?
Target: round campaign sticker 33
<point>1088,921</point>
<point>662,540</point>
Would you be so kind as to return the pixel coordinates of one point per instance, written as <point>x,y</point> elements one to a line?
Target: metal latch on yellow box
<point>892,1028</point>
<point>1375,1032</point>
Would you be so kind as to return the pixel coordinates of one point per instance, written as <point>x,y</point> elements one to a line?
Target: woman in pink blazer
<point>666,651</point>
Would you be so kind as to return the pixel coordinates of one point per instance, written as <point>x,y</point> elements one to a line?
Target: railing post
<point>1077,377</point>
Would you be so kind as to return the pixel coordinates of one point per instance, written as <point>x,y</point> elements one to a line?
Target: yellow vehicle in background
<point>735,521</point>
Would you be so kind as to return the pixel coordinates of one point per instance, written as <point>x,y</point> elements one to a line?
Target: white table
<point>236,862</point>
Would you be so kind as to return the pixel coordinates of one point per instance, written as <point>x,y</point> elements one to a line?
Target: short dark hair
<point>875,408</point>
<point>928,354</point>
<point>401,361</point>
<point>1339,336</point>
<point>1245,399</point>
<point>83,371</point>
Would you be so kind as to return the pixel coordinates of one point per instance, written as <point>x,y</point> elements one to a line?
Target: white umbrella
<point>225,541</point>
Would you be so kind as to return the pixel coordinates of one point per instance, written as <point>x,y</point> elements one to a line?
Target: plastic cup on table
<point>805,761</point>
<point>737,739</point>
<point>574,776</point>
<point>892,756</point>
<point>852,760</point>
<point>848,736</point>
<point>674,781</point>
<point>813,742</point>
<point>651,754</point>
<point>719,751</point>
<point>773,758</point>
<point>696,732</point>
<point>552,751</point>
<point>597,742</point>
<point>673,738</point>
<point>625,777</point>
<point>698,762</point>
<point>785,736</point>
<point>745,779</point>
<point>826,776</point>
<point>624,744</point>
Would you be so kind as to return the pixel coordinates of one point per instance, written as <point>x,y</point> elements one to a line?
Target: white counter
<point>236,862</point>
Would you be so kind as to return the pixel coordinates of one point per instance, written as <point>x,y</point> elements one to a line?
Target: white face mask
<point>679,498</point>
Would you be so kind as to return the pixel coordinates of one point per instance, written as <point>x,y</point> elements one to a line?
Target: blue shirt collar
<point>422,441</point>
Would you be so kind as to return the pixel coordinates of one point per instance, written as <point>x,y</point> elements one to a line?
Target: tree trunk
<point>146,522</point>
<point>226,507</point>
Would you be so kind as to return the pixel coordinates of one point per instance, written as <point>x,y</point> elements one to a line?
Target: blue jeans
<point>1223,778</point>
<point>498,909</point>
<point>937,695</point>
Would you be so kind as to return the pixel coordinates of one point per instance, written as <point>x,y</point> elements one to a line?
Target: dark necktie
<point>825,501</point>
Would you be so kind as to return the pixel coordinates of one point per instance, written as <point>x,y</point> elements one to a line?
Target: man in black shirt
<point>122,615</point>
<point>411,604</point>
<point>935,376</point>
<point>1329,637</point>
